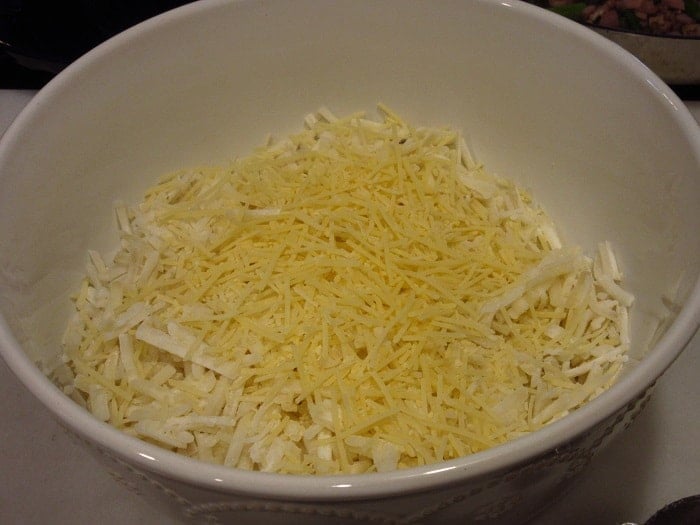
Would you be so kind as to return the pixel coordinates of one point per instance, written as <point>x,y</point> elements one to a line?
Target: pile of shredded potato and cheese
<point>358,297</point>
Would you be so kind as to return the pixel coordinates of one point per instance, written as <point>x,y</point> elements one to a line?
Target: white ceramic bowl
<point>602,143</point>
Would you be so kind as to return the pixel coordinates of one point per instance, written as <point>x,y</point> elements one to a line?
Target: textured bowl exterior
<point>144,103</point>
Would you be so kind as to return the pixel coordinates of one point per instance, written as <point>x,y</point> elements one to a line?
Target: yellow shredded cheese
<point>361,296</point>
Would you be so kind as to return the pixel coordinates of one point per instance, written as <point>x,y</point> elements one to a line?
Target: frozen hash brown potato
<point>361,296</point>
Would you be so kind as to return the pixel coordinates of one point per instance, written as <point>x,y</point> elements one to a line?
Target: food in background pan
<point>654,17</point>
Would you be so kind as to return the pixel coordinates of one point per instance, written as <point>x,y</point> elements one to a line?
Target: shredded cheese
<point>359,297</point>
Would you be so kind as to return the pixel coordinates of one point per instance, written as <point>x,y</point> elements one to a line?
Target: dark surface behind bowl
<point>38,39</point>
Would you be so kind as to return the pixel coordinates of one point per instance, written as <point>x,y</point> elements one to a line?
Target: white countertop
<point>46,478</point>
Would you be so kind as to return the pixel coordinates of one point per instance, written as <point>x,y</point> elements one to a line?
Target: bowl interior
<point>603,145</point>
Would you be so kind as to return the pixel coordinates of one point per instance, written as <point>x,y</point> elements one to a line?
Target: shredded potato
<point>358,297</point>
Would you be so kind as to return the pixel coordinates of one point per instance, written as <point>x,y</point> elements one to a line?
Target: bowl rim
<point>171,465</point>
